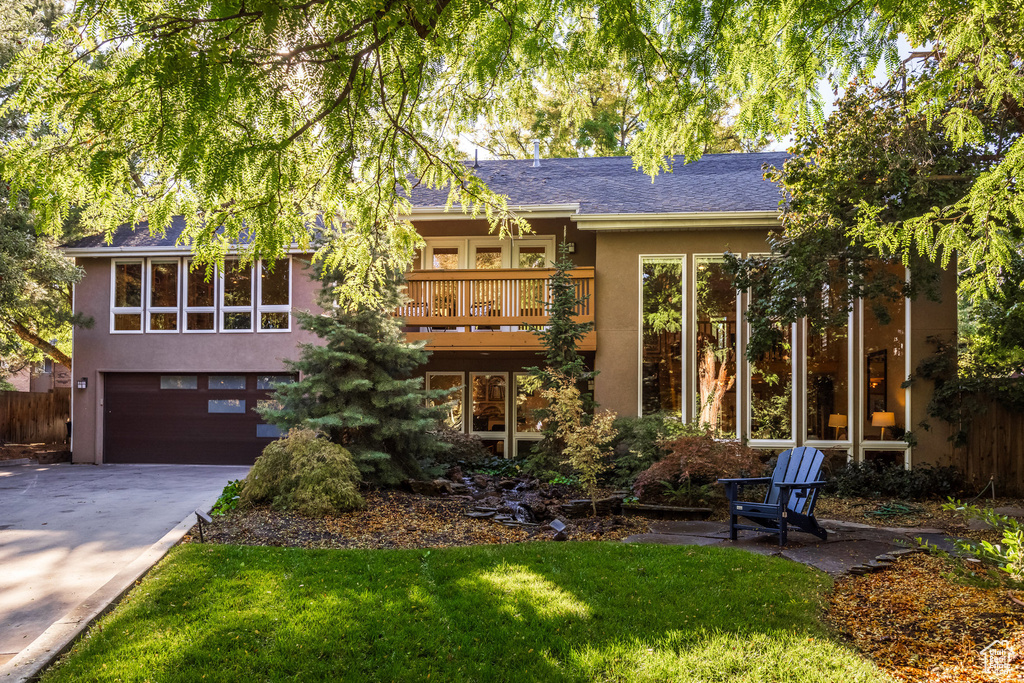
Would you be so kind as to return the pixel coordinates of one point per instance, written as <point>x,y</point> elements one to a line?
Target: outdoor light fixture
<point>837,421</point>
<point>883,420</point>
<point>571,247</point>
<point>83,383</point>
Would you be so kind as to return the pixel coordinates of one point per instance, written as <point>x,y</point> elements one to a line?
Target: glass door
<point>489,396</point>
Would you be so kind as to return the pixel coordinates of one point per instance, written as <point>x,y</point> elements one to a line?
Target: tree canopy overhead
<point>266,114</point>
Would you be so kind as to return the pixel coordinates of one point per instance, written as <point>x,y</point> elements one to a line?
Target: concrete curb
<point>62,634</point>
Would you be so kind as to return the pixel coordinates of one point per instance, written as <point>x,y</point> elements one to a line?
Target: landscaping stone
<point>480,515</point>
<point>425,488</point>
<point>665,511</point>
<point>1010,511</point>
<point>481,481</point>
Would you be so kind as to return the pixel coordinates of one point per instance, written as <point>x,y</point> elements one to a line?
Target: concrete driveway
<point>66,530</point>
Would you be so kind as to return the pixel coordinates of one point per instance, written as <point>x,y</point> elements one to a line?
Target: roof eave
<point>110,251</point>
<point>459,213</point>
<point>689,220</point>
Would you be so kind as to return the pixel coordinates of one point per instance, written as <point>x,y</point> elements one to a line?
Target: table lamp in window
<point>883,420</point>
<point>837,421</point>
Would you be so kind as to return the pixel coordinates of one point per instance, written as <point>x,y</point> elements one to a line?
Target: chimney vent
<point>536,153</point>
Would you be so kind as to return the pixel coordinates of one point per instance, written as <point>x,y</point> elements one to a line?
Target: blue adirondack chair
<point>792,492</point>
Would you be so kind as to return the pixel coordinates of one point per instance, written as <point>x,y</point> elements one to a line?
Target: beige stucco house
<point>174,364</point>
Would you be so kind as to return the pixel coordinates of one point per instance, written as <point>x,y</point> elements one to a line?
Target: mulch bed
<point>396,519</point>
<point>42,451</point>
<point>922,624</point>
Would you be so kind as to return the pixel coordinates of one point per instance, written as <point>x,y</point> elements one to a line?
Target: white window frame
<point>748,378</point>
<point>516,434</point>
<point>188,274</point>
<point>684,379</point>
<point>150,308</point>
<point>250,309</point>
<point>462,381</point>
<point>833,444</point>
<point>509,249</point>
<point>129,310</point>
<point>275,308</point>
<point>865,445</point>
<point>546,241</point>
<point>740,349</point>
<point>489,436</point>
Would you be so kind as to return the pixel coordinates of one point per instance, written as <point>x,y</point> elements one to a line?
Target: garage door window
<point>126,304</point>
<point>227,382</point>
<point>268,431</point>
<point>179,382</point>
<point>226,405</point>
<point>270,381</point>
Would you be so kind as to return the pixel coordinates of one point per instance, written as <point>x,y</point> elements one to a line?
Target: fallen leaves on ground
<point>395,519</point>
<point>924,626</point>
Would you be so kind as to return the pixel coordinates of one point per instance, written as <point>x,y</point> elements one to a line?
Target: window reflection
<point>885,364</point>
<point>452,382</point>
<point>661,374</point>
<point>715,347</point>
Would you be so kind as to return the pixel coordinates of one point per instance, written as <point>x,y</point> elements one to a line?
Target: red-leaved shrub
<point>693,464</point>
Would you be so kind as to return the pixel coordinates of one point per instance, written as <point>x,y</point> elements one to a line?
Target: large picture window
<point>715,346</point>
<point>236,297</point>
<point>453,382</point>
<point>661,337</point>
<point>884,358</point>
<point>275,295</point>
<point>771,391</point>
<point>827,379</point>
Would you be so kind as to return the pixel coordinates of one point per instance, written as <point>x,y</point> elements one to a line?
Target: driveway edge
<point>62,634</point>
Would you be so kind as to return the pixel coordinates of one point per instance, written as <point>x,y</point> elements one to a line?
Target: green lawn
<point>531,612</point>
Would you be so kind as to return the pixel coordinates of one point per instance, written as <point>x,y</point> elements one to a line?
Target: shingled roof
<point>600,185</point>
<point>610,185</point>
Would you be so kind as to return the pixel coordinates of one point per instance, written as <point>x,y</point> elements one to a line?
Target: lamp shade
<point>836,420</point>
<point>883,419</point>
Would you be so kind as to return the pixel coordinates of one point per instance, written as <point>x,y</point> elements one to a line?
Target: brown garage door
<point>202,419</point>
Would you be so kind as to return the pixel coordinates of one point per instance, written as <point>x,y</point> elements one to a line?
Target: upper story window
<point>126,304</point>
<point>489,253</point>
<point>166,295</point>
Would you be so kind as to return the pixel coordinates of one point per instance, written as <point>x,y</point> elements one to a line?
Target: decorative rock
<point>1010,511</point>
<point>425,488</point>
<point>876,565</point>
<point>886,557</point>
<point>481,481</point>
<point>478,495</point>
<point>904,551</point>
<point>480,515</point>
<point>560,536</point>
<point>507,484</point>
<point>454,474</point>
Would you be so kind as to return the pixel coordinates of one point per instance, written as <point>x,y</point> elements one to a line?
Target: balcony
<point>487,310</point>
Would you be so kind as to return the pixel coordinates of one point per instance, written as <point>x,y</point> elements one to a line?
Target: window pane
<point>489,403</point>
<point>238,321</point>
<point>527,420</point>
<point>828,379</point>
<point>885,359</point>
<point>488,258</point>
<point>274,290</point>
<point>273,321</point>
<point>163,321</point>
<point>268,381</point>
<point>226,405</point>
<point>268,432</point>
<point>179,382</point>
<point>128,285</point>
<point>771,392</point>
<point>128,322</point>
<point>163,285</point>
<point>446,258</point>
<point>453,415</point>
<point>237,284</point>
<point>716,347</point>
<point>200,321</point>
<point>661,375</point>
<point>227,382</point>
<point>532,257</point>
<point>200,292</point>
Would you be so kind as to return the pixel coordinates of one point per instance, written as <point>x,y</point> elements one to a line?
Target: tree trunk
<point>41,344</point>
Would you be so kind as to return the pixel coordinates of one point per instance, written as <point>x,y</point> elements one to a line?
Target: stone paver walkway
<point>850,546</point>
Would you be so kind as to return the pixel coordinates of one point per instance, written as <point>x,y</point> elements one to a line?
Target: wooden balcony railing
<point>487,309</point>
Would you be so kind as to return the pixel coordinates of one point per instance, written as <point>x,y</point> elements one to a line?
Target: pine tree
<point>562,360</point>
<point>358,388</point>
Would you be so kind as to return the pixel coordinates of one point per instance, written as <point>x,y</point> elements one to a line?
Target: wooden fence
<point>31,417</point>
<point>995,448</point>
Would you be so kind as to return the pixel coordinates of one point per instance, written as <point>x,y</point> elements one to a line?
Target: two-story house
<point>175,363</point>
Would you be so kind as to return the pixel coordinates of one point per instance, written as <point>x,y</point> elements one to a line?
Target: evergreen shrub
<point>638,443</point>
<point>306,473</point>
<point>868,480</point>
